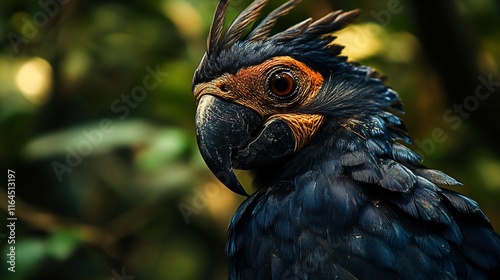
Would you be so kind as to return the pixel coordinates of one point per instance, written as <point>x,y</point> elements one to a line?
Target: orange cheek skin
<point>248,87</point>
<point>303,126</point>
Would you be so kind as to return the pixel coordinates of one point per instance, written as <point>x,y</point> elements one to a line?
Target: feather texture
<point>262,30</point>
<point>217,27</point>
<point>355,201</point>
<point>240,23</point>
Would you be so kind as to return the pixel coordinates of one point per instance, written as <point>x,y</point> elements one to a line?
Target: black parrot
<point>339,195</point>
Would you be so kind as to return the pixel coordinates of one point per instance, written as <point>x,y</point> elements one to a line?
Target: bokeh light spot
<point>34,80</point>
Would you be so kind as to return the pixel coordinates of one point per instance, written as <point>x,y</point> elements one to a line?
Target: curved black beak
<point>223,127</point>
<point>232,136</point>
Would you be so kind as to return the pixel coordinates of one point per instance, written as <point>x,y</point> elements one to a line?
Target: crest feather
<point>220,40</point>
<point>240,23</point>
<point>217,27</point>
<point>262,30</point>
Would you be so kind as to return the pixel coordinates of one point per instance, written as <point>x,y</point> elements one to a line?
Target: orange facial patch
<point>250,86</point>
<point>303,126</point>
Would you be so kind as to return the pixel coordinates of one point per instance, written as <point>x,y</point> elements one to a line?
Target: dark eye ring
<point>282,85</point>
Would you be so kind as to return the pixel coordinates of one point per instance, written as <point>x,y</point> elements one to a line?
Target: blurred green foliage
<point>96,119</point>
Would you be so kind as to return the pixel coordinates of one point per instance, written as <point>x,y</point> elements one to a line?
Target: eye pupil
<point>282,84</point>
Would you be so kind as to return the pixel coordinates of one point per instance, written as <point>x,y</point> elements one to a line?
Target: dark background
<point>109,181</point>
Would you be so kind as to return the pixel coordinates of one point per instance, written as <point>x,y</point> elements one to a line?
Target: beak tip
<point>238,189</point>
<point>229,179</point>
<point>214,118</point>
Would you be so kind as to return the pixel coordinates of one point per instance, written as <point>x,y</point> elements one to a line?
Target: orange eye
<point>282,85</point>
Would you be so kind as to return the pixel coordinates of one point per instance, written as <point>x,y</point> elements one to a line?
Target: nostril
<point>223,87</point>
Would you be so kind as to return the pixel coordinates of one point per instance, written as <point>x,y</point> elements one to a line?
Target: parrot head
<point>262,98</point>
